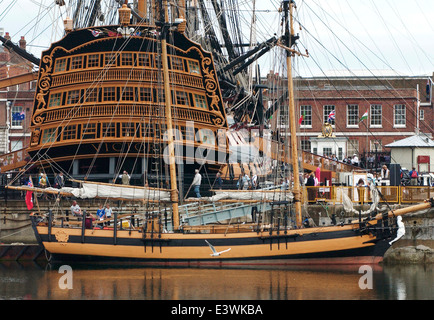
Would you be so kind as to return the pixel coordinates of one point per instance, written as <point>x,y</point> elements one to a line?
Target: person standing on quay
<point>310,184</point>
<point>414,177</point>
<point>385,176</point>
<point>361,190</point>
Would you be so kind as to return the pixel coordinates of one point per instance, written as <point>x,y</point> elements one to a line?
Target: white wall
<point>407,157</point>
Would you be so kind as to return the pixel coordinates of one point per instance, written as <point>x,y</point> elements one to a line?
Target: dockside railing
<point>362,195</point>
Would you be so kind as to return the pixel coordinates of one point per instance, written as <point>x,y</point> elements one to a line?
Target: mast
<point>224,29</point>
<point>289,38</point>
<point>168,114</point>
<point>142,8</point>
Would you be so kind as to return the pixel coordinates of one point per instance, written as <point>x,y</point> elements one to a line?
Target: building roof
<point>418,141</point>
<point>361,73</point>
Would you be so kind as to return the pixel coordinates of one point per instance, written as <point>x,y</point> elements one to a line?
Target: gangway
<point>199,214</point>
<point>212,213</point>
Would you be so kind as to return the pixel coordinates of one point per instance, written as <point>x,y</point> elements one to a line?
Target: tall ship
<point>103,91</point>
<point>140,94</point>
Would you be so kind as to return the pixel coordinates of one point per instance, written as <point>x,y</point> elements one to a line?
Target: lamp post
<point>376,143</point>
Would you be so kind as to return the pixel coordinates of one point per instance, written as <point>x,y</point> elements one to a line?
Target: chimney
<point>23,43</point>
<point>7,36</point>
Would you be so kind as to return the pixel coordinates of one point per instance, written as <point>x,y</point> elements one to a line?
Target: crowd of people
<point>103,215</point>
<point>368,161</point>
<point>59,180</point>
<point>43,182</point>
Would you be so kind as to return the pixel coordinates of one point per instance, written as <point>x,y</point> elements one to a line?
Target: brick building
<point>16,102</point>
<point>397,107</point>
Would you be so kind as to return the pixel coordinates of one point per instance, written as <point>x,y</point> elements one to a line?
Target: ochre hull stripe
<point>174,247</point>
<point>266,250</point>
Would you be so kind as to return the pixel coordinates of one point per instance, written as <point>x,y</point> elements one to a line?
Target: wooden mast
<point>293,129</point>
<point>181,9</point>
<point>142,8</point>
<point>168,115</point>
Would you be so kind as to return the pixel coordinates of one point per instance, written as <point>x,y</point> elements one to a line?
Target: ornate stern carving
<point>62,237</point>
<point>44,89</point>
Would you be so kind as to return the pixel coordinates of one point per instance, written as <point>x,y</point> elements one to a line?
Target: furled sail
<point>259,195</point>
<point>88,190</point>
<point>115,191</point>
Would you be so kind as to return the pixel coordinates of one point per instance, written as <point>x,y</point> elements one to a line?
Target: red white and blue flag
<point>29,194</point>
<point>96,33</point>
<point>331,116</point>
<point>17,116</point>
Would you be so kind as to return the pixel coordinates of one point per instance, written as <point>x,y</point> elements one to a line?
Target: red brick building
<point>16,102</point>
<point>397,107</point>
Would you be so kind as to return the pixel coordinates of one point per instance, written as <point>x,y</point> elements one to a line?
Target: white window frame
<point>395,115</point>
<point>372,118</point>
<point>352,147</point>
<point>327,152</point>
<point>308,116</point>
<point>306,145</point>
<point>14,123</point>
<point>16,145</point>
<point>326,111</point>
<point>372,144</point>
<point>356,115</point>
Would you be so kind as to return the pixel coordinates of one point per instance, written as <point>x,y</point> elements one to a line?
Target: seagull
<point>214,251</point>
<point>401,230</point>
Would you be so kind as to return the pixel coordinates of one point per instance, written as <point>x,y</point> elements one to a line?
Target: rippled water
<point>36,282</point>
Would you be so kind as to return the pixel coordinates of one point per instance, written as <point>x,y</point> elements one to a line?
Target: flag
<point>154,33</point>
<point>17,116</point>
<point>96,33</point>
<point>114,34</point>
<point>29,194</point>
<point>301,118</point>
<point>365,116</point>
<point>331,116</point>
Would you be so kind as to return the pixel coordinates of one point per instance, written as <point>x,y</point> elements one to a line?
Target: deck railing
<point>389,194</point>
<point>13,160</point>
<point>127,110</point>
<point>139,75</point>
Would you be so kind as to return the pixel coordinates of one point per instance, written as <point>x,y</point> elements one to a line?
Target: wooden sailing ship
<point>145,80</point>
<point>102,91</point>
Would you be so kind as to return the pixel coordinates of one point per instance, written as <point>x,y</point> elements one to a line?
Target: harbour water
<point>31,281</point>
